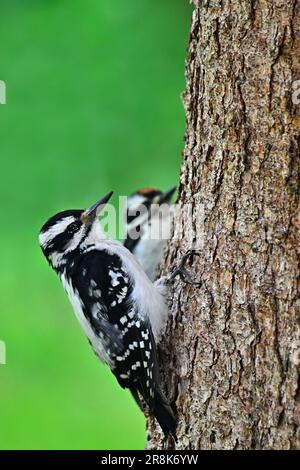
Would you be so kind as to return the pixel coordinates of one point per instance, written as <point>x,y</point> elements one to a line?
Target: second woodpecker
<point>148,219</point>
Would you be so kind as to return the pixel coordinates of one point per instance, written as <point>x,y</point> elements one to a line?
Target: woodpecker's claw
<point>182,272</point>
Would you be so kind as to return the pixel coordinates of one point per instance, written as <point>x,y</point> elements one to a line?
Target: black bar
<point>134,459</point>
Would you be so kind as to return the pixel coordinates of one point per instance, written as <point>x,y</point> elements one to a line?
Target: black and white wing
<point>105,289</point>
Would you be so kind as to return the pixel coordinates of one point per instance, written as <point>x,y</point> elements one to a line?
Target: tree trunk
<point>231,358</point>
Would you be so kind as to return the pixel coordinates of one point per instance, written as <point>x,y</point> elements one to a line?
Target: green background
<point>93,105</point>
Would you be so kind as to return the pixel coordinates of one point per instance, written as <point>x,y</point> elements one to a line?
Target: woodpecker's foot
<point>182,272</point>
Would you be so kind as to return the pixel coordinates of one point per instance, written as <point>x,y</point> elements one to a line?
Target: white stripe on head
<point>135,200</point>
<point>56,229</point>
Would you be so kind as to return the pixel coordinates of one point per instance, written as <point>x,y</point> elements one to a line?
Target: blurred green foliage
<point>93,105</point>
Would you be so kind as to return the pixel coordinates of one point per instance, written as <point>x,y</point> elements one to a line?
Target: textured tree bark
<point>231,359</point>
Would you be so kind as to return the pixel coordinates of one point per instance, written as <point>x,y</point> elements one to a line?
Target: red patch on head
<point>146,191</point>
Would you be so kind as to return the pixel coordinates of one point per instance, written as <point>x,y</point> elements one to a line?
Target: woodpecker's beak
<point>89,215</point>
<point>166,197</point>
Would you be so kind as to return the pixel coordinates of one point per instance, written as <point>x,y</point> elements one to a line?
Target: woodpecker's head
<point>148,219</point>
<point>68,230</point>
<point>144,199</point>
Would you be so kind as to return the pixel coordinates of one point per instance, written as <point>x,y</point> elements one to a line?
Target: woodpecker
<point>148,227</point>
<point>120,310</point>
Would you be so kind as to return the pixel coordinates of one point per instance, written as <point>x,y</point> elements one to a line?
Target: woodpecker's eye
<point>72,228</point>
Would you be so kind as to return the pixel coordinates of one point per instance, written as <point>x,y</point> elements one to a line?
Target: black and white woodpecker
<point>120,310</point>
<point>148,220</point>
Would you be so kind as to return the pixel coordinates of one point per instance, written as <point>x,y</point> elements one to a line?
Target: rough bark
<point>232,353</point>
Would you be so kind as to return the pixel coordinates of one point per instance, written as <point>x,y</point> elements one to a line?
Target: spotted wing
<point>106,292</point>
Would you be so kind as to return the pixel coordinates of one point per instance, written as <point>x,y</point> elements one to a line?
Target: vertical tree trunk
<point>232,354</point>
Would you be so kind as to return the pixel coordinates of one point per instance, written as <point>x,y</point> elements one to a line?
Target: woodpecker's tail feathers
<point>164,414</point>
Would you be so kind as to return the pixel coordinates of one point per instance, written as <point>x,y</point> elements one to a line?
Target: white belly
<point>149,254</point>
